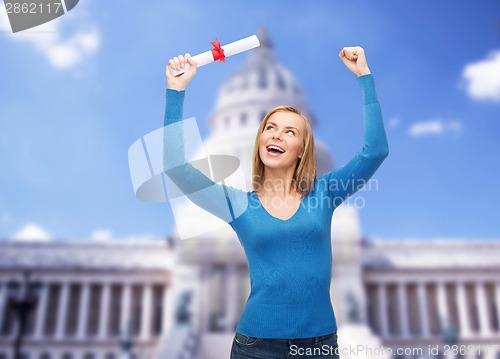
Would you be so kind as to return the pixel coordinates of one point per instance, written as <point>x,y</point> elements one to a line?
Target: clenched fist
<point>355,60</point>
<point>180,82</point>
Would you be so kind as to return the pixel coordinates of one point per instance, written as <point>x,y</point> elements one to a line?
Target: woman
<point>284,223</point>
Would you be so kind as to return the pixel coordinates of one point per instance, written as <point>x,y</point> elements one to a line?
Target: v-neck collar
<point>276,218</point>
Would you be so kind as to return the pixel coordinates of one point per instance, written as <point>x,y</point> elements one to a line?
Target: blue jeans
<point>245,347</point>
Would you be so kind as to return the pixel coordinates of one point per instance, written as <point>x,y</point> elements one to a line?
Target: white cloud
<point>67,54</point>
<point>31,232</point>
<point>102,235</point>
<point>4,21</point>
<point>482,78</point>
<point>434,127</point>
<point>61,50</point>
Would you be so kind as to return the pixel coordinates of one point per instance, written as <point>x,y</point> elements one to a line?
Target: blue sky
<point>76,96</point>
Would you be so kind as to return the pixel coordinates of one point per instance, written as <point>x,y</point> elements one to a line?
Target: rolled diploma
<point>231,49</point>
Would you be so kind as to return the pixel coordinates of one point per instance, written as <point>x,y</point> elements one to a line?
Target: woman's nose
<point>277,135</point>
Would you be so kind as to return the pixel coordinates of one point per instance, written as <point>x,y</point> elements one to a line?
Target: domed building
<point>182,299</point>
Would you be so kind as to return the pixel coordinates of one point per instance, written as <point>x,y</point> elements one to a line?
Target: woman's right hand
<point>180,82</point>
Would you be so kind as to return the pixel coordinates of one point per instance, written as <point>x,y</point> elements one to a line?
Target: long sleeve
<point>222,201</point>
<point>174,106</point>
<point>348,179</point>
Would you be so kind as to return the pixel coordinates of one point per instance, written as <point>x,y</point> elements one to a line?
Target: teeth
<point>276,148</point>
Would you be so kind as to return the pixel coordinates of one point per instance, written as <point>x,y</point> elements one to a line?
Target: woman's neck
<point>278,182</point>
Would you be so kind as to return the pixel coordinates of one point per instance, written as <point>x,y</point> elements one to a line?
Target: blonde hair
<point>305,171</point>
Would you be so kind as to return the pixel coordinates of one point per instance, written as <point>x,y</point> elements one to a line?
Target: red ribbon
<point>218,52</point>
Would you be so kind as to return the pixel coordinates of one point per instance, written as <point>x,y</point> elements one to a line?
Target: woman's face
<point>281,142</point>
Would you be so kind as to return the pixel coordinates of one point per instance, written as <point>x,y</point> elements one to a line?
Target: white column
<point>423,310</point>
<point>104,311</point>
<point>232,296</point>
<point>463,312</point>
<point>125,308</point>
<point>146,315</point>
<point>41,311</point>
<point>497,302</point>
<point>483,309</point>
<point>83,311</point>
<point>382,310</point>
<point>168,310</point>
<point>3,302</point>
<point>442,306</point>
<point>62,311</point>
<point>403,310</point>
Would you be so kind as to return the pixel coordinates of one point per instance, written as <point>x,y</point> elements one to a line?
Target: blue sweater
<point>289,261</point>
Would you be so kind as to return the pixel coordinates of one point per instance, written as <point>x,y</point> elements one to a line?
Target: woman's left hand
<point>355,60</point>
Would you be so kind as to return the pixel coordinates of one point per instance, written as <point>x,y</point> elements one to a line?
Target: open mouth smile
<point>274,150</point>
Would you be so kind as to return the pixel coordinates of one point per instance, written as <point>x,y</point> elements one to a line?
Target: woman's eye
<point>291,131</point>
<point>269,127</point>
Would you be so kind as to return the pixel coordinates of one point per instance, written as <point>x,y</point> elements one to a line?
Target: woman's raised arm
<point>348,179</point>
<point>222,201</point>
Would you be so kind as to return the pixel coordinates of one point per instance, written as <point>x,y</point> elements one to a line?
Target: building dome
<point>246,96</point>
<point>258,86</point>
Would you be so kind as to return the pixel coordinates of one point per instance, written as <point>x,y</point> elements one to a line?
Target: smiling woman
<point>286,239</point>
